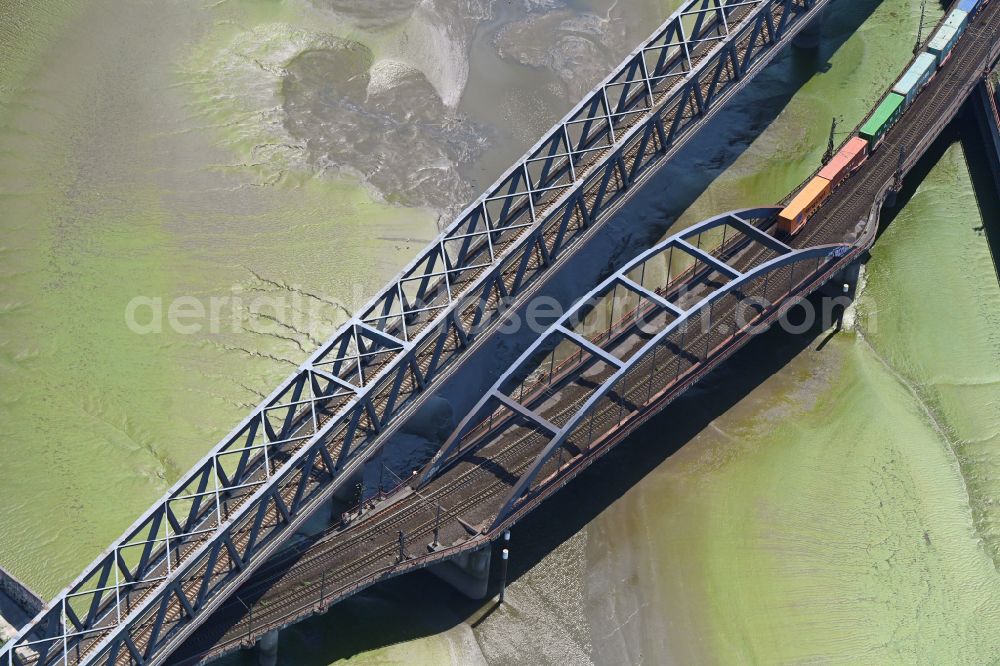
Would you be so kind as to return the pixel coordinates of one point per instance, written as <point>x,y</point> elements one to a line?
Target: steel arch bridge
<point>238,504</point>
<point>644,330</point>
<point>472,490</point>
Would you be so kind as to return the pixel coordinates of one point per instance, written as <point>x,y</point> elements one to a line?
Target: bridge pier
<point>809,37</point>
<point>18,604</point>
<point>267,649</point>
<point>469,573</point>
<point>844,284</point>
<point>984,105</point>
<point>434,420</point>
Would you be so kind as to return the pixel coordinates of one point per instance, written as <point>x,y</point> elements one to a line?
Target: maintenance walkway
<point>596,375</point>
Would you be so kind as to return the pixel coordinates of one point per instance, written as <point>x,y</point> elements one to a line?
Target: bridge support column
<point>809,37</point>
<point>469,573</point>
<point>984,105</point>
<point>433,421</point>
<point>267,649</point>
<point>844,284</point>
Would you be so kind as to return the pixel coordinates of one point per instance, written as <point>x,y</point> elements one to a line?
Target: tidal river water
<point>821,499</point>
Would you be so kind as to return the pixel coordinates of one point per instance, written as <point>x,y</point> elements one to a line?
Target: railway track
<point>621,123</point>
<point>263,465</point>
<point>512,456</point>
<point>833,222</point>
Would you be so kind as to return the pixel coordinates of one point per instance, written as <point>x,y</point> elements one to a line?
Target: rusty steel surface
<point>238,505</point>
<point>473,480</point>
<point>139,609</point>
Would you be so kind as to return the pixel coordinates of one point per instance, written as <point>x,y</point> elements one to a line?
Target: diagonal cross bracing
<point>706,258</point>
<point>521,410</point>
<point>237,504</point>
<point>652,296</point>
<point>471,433</point>
<point>659,298</point>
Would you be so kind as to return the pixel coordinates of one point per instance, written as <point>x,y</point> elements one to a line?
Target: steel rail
<point>940,105</point>
<point>332,390</point>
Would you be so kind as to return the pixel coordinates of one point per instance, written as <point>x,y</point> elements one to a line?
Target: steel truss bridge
<point>636,343</point>
<point>216,525</point>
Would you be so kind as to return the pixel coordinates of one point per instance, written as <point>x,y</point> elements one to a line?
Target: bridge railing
<point>610,370</point>
<point>822,271</point>
<point>316,429</point>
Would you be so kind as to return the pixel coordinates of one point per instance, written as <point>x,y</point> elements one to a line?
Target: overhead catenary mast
<point>830,145</point>
<point>920,27</point>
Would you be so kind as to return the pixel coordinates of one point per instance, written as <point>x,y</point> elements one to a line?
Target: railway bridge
<point>209,568</point>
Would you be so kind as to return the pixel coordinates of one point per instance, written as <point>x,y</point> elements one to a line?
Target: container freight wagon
<point>916,77</point>
<point>797,212</point>
<point>885,116</point>
<point>946,36</point>
<point>845,162</point>
<point>970,7</point>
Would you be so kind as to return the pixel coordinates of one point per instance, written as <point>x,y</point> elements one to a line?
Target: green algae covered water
<point>844,512</point>
<point>261,165</point>
<point>117,185</point>
<point>841,508</point>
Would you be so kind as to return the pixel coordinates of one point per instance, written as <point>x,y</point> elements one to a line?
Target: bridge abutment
<point>469,573</point>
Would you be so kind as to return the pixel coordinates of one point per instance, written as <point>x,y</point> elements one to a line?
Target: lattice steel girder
<point>606,388</point>
<point>317,428</point>
<point>487,406</point>
<point>740,221</point>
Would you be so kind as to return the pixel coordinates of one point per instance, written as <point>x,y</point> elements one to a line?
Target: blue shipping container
<point>968,6</point>
<point>919,73</point>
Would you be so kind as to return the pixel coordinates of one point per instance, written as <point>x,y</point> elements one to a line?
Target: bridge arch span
<point>569,378</point>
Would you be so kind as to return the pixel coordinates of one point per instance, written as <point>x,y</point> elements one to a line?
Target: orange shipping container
<point>847,160</point>
<point>809,198</point>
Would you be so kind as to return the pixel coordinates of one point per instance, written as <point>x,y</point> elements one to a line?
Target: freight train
<point>857,149</point>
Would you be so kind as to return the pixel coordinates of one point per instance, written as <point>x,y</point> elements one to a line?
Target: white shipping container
<point>946,36</point>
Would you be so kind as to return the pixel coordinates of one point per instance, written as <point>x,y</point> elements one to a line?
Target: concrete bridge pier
<point>18,604</point>
<point>890,198</point>
<point>809,37</point>
<point>469,573</point>
<point>267,649</point>
<point>984,103</point>
<point>434,420</point>
<point>844,284</point>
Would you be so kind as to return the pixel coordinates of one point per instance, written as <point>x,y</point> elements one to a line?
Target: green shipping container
<point>885,116</point>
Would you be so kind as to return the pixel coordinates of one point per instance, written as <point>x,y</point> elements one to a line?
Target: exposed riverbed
<point>841,507</point>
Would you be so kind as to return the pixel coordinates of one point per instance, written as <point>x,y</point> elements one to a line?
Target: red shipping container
<point>855,146</point>
<point>846,161</point>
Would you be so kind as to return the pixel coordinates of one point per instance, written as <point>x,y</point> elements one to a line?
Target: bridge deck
<point>237,506</point>
<point>472,490</point>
